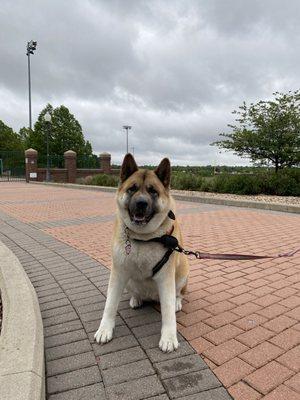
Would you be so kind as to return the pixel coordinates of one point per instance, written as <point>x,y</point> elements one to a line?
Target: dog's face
<point>143,195</point>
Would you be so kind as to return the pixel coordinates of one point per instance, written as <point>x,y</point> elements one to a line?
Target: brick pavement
<point>242,317</point>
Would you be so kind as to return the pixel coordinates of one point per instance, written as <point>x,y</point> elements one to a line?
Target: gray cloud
<point>174,70</point>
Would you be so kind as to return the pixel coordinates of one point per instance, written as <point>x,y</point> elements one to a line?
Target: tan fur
<point>134,270</point>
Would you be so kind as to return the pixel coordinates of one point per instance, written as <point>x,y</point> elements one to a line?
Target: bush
<point>186,181</point>
<point>102,180</point>
<point>284,183</point>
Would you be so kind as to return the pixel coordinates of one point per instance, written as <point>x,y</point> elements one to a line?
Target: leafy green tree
<point>267,132</point>
<point>9,140</point>
<point>65,133</point>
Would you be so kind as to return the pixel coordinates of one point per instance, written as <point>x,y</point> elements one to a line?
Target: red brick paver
<point>242,316</point>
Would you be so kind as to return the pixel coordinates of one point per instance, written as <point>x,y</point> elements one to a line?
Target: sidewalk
<point>242,317</point>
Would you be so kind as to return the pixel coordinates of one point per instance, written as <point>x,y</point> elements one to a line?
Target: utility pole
<point>31,46</point>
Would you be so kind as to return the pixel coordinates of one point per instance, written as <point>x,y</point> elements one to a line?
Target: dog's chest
<point>138,259</point>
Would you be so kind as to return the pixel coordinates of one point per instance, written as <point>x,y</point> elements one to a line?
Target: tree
<point>65,133</point>
<point>9,140</point>
<point>267,132</point>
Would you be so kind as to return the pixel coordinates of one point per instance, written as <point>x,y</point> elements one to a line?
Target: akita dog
<point>145,210</point>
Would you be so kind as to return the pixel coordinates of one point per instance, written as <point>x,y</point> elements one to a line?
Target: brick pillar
<point>105,162</point>
<point>70,165</point>
<point>31,164</point>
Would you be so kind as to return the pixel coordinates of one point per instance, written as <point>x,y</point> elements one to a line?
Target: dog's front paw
<point>104,334</point>
<point>168,342</point>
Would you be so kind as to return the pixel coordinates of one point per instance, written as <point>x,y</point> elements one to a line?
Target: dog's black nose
<point>141,204</point>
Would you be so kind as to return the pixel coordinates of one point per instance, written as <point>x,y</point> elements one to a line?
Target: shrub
<point>284,183</point>
<point>186,181</point>
<point>102,180</point>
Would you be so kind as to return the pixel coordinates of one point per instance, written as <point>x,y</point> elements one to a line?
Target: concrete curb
<point>22,375</point>
<point>196,199</point>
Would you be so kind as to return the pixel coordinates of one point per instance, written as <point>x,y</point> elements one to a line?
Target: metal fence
<point>12,165</point>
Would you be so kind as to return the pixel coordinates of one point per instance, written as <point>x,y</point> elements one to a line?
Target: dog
<point>145,210</point>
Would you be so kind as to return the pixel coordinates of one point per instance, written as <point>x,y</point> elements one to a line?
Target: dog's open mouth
<point>140,219</point>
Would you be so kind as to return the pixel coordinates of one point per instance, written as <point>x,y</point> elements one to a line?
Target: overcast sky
<point>174,70</point>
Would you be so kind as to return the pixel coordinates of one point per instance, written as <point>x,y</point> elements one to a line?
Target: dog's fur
<point>143,203</point>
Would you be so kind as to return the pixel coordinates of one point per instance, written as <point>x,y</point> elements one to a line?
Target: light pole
<point>31,46</point>
<point>47,118</point>
<point>127,127</point>
<point>132,149</point>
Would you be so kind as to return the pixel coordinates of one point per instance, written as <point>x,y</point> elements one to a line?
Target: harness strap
<point>162,262</point>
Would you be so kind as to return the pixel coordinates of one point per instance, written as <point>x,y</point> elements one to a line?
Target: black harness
<point>168,241</point>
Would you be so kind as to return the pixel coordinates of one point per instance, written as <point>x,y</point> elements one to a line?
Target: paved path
<point>242,317</point>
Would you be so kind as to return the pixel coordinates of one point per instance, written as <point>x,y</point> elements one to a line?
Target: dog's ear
<point>128,167</point>
<point>163,171</point>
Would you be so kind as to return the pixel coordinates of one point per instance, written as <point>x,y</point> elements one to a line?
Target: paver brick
<point>268,377</point>
<point>261,354</point>
<point>128,372</point>
<point>212,394</point>
<point>71,363</point>
<point>280,323</point>
<point>120,343</point>
<point>69,349</point>
<point>57,311</point>
<point>225,351</point>
<point>73,380</point>
<point>286,339</point>
<point>121,357</point>
<point>255,336</point>
<point>294,383</point>
<point>282,392</point>
<point>233,371</point>
<point>291,359</point>
<point>179,366</point>
<point>191,383</point>
<point>64,338</point>
<point>156,355</point>
<point>60,319</point>
<point>135,390</point>
<point>92,392</point>
<point>241,391</point>
<point>64,327</point>
<point>223,334</point>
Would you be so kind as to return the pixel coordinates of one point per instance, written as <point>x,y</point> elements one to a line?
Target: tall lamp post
<point>127,127</point>
<point>31,46</point>
<point>47,118</point>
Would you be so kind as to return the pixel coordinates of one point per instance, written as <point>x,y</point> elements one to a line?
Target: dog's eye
<point>132,189</point>
<point>152,191</point>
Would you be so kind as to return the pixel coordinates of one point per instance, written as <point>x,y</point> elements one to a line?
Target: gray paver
<point>179,366</point>
<point>62,328</point>
<point>156,355</point>
<point>213,394</point>
<point>191,383</point>
<point>65,338</point>
<point>73,380</point>
<point>127,372</point>
<point>92,392</point>
<point>52,312</point>
<point>71,363</point>
<point>136,390</point>
<point>120,343</point>
<point>69,349</point>
<point>121,357</point>
<point>59,319</point>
